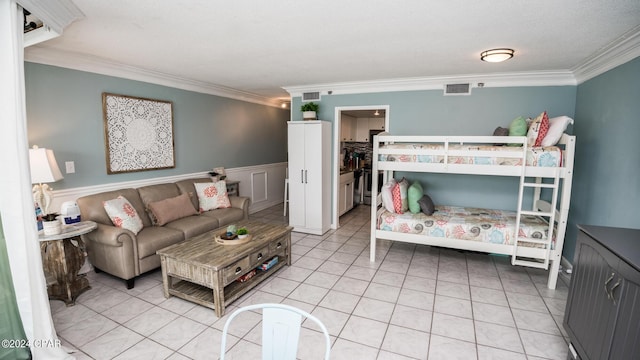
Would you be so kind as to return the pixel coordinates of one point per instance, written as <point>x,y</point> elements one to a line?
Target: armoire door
<point>296,147</point>
<point>313,176</point>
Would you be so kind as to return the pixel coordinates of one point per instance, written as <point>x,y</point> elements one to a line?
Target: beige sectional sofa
<point>126,255</point>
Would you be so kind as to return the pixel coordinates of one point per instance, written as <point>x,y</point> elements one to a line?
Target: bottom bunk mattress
<point>466,223</point>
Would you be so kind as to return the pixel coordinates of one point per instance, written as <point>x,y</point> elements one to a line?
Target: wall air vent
<point>311,96</point>
<point>457,89</point>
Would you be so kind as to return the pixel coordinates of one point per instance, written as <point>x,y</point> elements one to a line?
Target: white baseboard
<point>267,189</point>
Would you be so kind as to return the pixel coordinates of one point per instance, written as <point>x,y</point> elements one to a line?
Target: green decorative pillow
<point>415,192</point>
<point>518,127</point>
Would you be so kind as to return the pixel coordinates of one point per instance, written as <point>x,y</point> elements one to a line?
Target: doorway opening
<point>353,145</point>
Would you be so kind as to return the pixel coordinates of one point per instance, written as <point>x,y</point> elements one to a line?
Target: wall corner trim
<point>620,51</point>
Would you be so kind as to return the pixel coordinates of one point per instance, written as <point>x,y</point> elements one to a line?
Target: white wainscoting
<point>264,184</point>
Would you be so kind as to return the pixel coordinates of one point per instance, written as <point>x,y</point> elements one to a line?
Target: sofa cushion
<point>225,216</point>
<point>154,238</point>
<point>193,225</point>
<point>157,192</point>
<point>187,187</point>
<point>123,214</point>
<point>91,206</point>
<point>212,196</point>
<point>171,209</point>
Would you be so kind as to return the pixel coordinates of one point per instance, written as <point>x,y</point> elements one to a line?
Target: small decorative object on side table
<point>62,258</point>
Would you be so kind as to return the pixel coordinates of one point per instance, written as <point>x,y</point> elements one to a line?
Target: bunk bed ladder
<point>548,213</point>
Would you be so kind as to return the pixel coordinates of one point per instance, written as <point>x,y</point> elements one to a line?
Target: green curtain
<point>11,330</point>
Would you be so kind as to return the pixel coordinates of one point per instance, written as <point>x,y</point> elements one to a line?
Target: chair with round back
<point>280,331</point>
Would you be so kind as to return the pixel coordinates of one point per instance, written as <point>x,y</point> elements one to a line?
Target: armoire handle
<point>613,289</point>
<point>606,289</point>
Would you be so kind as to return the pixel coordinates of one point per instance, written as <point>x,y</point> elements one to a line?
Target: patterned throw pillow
<point>212,195</point>
<point>123,214</point>
<point>399,193</point>
<point>538,130</point>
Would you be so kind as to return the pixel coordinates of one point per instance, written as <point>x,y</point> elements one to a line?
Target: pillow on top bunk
<point>538,130</point>
<point>518,127</point>
<point>557,126</point>
<point>426,205</point>
<point>387,198</point>
<point>399,193</point>
<point>414,193</point>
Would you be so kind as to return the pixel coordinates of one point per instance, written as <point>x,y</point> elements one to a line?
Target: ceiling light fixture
<point>496,55</point>
<point>376,113</point>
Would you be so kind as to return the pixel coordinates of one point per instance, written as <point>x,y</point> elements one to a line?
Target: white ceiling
<point>258,47</point>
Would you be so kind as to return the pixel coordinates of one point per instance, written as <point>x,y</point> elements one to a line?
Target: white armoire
<point>310,176</point>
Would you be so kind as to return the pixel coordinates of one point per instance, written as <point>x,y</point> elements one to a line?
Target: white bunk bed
<point>478,155</point>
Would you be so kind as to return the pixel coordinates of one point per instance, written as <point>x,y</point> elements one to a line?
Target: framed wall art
<point>138,133</point>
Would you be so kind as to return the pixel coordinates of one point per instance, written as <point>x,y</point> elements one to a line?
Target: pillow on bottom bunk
<point>426,205</point>
<point>414,193</point>
<point>387,197</point>
<point>399,193</point>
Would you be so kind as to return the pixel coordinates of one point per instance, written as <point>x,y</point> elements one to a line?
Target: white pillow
<point>212,195</point>
<point>387,197</point>
<point>123,214</point>
<point>557,126</point>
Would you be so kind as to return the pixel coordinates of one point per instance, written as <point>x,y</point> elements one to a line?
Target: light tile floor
<point>414,302</point>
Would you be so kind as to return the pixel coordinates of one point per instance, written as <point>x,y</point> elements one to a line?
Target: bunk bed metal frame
<point>539,253</point>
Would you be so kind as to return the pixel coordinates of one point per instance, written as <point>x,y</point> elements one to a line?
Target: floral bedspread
<point>466,223</point>
<point>550,156</point>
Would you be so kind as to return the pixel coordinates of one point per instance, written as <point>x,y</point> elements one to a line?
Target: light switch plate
<point>71,167</point>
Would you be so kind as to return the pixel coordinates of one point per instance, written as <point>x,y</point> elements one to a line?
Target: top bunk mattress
<point>549,156</point>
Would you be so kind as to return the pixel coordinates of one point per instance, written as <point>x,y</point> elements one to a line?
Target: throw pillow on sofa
<point>212,195</point>
<point>123,214</point>
<point>167,210</point>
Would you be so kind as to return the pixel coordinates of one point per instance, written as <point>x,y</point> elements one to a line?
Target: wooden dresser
<point>602,316</point>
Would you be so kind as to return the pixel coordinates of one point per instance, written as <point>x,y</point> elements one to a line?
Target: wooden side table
<point>62,259</point>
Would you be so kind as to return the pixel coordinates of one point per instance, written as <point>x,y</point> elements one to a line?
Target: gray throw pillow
<point>500,131</point>
<point>426,205</point>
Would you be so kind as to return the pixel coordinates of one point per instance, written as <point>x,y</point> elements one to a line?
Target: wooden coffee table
<point>206,272</point>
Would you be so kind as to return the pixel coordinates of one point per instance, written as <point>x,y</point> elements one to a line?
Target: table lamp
<point>44,169</point>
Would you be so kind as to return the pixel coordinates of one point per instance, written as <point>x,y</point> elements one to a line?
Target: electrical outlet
<point>71,167</point>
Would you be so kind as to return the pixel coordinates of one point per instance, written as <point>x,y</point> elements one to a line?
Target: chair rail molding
<point>269,192</point>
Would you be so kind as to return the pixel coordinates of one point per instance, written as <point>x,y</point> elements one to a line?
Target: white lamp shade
<point>44,168</point>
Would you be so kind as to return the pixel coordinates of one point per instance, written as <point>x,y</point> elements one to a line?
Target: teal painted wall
<point>431,113</point>
<point>606,185</point>
<point>64,113</point>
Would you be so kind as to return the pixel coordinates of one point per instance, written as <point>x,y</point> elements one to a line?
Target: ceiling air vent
<point>311,96</point>
<point>457,89</point>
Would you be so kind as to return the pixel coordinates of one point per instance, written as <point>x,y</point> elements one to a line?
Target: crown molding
<point>94,64</point>
<point>57,14</point>
<point>620,51</point>
<point>536,78</point>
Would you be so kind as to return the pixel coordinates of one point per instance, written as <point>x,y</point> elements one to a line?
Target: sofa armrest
<point>241,202</point>
<point>111,236</point>
<point>113,250</point>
